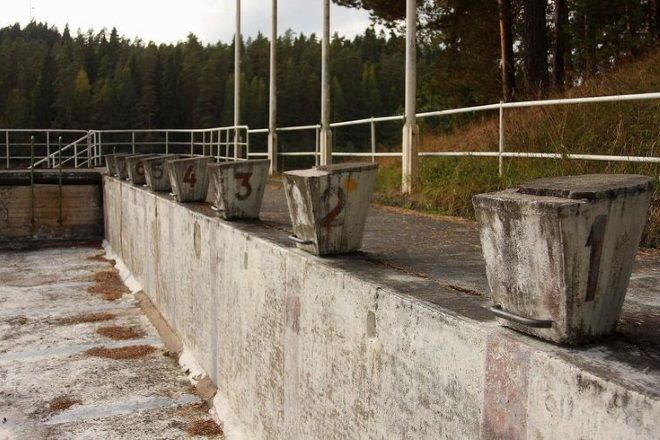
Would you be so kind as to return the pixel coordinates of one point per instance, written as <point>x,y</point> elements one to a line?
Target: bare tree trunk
<point>560,19</point>
<point>506,46</point>
<point>535,44</point>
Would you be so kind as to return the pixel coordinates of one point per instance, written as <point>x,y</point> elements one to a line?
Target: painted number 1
<point>595,242</point>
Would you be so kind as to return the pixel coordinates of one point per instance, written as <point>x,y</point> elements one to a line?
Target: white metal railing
<point>501,153</point>
<point>223,143</point>
<point>21,146</point>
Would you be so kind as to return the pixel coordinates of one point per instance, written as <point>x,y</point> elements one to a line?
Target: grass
<point>446,185</point>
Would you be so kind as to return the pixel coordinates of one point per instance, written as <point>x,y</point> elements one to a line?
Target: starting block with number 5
<point>135,167</point>
<point>239,187</point>
<point>155,174</point>
<point>328,206</point>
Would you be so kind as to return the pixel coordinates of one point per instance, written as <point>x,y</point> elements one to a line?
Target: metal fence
<point>79,148</point>
<point>371,149</point>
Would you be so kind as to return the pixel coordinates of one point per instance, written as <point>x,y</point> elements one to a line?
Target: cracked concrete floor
<point>74,364</point>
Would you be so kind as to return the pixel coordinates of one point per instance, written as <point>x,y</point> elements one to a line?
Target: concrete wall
<point>301,348</point>
<point>81,210</point>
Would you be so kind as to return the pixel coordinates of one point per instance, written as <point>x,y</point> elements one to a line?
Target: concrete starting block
<point>111,163</point>
<point>328,206</point>
<point>121,165</point>
<point>189,178</point>
<point>135,167</point>
<point>239,187</point>
<point>155,173</point>
<point>559,252</point>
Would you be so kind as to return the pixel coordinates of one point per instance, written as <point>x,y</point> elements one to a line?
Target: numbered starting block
<point>329,205</point>
<point>559,252</point>
<point>135,167</point>
<point>239,187</point>
<point>189,178</point>
<point>155,173</point>
<point>122,166</point>
<point>110,164</point>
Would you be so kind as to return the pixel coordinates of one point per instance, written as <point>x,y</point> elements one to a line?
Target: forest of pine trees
<point>470,53</point>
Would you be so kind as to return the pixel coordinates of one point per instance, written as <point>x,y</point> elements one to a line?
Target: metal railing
<point>500,154</point>
<point>19,145</point>
<point>233,142</point>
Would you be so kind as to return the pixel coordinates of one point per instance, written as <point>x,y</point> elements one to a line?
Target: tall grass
<point>446,185</point>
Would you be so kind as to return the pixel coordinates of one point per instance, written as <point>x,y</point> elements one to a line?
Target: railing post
<point>167,142</point>
<point>501,141</point>
<point>133,142</point>
<point>59,209</point>
<point>100,142</point>
<point>237,81</point>
<point>89,151</point>
<point>317,146</point>
<point>192,142</point>
<point>75,155</point>
<point>410,128</point>
<point>272,101</point>
<point>203,143</point>
<point>32,178</point>
<point>7,146</point>
<point>47,149</point>
<point>373,140</point>
<point>326,132</point>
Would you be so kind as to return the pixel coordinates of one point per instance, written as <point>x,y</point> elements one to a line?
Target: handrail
<point>51,156</point>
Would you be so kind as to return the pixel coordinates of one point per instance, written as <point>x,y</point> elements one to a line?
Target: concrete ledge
<point>303,347</point>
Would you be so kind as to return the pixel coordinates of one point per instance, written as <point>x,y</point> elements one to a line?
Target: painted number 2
<point>595,242</point>
<point>189,176</point>
<point>331,217</point>
<point>245,188</point>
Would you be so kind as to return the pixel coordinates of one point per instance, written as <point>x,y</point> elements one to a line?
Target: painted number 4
<point>189,176</point>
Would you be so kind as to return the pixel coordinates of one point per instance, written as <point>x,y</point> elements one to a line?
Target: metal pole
<point>89,151</point>
<point>48,149</point>
<point>59,211</point>
<point>272,106</point>
<point>373,140</point>
<point>410,129</point>
<point>32,178</point>
<point>75,155</point>
<point>237,80</point>
<point>192,142</point>
<point>133,142</point>
<point>167,142</point>
<point>501,141</point>
<point>7,146</point>
<point>326,133</point>
<point>101,145</point>
<point>317,141</point>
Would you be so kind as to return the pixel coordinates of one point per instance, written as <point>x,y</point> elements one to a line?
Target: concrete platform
<point>393,341</point>
<point>54,379</point>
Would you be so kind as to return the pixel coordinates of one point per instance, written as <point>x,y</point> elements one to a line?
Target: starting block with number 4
<point>189,178</point>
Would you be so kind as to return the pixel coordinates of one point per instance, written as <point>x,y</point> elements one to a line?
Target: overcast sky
<point>168,21</point>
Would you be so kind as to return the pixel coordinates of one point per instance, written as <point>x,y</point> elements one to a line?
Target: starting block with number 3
<point>189,178</point>
<point>328,206</point>
<point>239,187</point>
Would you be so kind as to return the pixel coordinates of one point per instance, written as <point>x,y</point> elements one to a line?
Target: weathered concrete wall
<point>301,347</point>
<point>33,218</point>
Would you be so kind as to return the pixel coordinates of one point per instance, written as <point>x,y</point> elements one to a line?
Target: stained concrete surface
<point>43,357</point>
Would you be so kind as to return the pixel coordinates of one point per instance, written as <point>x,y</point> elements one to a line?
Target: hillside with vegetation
<point>447,185</point>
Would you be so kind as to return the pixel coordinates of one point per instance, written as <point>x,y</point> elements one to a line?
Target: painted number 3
<point>189,176</point>
<point>245,188</point>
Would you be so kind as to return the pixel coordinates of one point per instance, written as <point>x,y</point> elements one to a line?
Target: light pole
<point>410,128</point>
<point>272,105</point>
<point>326,133</point>
<point>237,82</point>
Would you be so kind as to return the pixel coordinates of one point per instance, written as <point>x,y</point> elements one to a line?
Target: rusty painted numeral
<point>245,187</point>
<point>329,219</point>
<point>189,176</point>
<point>595,242</point>
<point>140,169</point>
<point>158,171</point>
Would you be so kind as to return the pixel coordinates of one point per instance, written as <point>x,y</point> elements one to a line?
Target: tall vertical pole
<point>326,133</point>
<point>501,141</point>
<point>237,81</point>
<point>272,106</point>
<point>410,128</point>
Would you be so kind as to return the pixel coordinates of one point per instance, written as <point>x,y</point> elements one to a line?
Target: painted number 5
<point>245,188</point>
